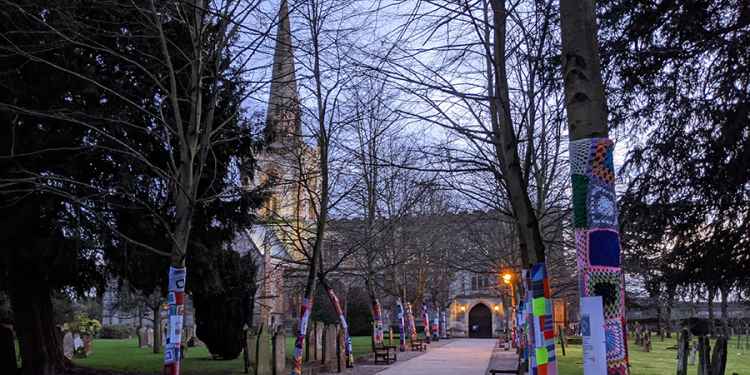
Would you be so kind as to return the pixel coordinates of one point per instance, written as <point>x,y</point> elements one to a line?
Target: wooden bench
<point>517,370</point>
<point>385,354</point>
<point>418,345</point>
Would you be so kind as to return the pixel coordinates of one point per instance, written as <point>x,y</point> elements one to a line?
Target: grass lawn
<point>659,361</point>
<point>124,355</point>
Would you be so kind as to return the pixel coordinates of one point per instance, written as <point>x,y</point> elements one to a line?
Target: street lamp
<point>507,277</point>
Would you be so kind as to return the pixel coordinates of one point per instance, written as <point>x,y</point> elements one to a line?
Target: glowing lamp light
<point>507,278</point>
<point>496,308</point>
<point>463,308</point>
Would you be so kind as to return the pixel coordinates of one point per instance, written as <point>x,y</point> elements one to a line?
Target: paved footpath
<point>460,357</point>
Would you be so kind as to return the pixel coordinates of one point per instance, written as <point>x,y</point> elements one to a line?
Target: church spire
<point>283,117</point>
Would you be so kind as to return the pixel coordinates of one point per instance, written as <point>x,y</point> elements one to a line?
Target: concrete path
<point>461,357</point>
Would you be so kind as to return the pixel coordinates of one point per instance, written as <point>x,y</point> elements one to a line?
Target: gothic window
<point>479,282</point>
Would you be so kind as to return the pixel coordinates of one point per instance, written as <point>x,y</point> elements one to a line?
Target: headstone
<point>263,356</point>
<point>77,342</point>
<point>150,337</point>
<point>329,347</point>
<point>309,343</point>
<point>279,353</point>
<point>693,354</point>
<point>704,359</point>
<point>719,356</point>
<point>683,345</point>
<point>319,328</point>
<point>341,350</point>
<point>252,348</point>
<point>68,348</point>
<point>88,345</point>
<point>143,337</point>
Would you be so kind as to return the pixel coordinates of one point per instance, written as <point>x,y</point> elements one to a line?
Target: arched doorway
<point>480,322</point>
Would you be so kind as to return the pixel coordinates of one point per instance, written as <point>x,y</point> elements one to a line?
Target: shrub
<point>574,340</point>
<point>85,326</point>
<point>116,332</point>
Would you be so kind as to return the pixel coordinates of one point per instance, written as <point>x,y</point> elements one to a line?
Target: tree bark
<point>7,351</point>
<point>711,317</point>
<point>725,310</point>
<point>506,144</point>
<point>39,343</point>
<point>157,328</point>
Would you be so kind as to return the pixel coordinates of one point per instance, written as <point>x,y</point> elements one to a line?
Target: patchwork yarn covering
<point>401,329</point>
<point>598,241</point>
<point>176,302</point>
<point>541,332</point>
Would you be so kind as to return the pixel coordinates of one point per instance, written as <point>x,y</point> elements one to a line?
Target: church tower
<point>283,124</point>
<point>286,168</point>
<point>286,162</point>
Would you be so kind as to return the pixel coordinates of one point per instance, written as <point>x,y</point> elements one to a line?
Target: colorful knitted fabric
<point>377,319</point>
<point>304,317</point>
<point>176,302</point>
<point>541,335</point>
<point>426,319</point>
<point>401,330</point>
<point>412,323</point>
<point>344,326</point>
<point>598,241</point>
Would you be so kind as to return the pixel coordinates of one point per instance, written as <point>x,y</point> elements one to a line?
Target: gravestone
<point>150,337</point>
<point>329,347</point>
<point>719,356</point>
<point>77,344</point>
<point>704,356</point>
<point>279,353</point>
<point>252,348</point>
<point>693,354</point>
<point>319,327</point>
<point>263,357</point>
<point>143,337</point>
<point>340,350</point>
<point>683,345</point>
<point>308,344</point>
<point>68,348</point>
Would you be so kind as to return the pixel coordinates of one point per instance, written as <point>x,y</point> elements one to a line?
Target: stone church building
<point>472,303</point>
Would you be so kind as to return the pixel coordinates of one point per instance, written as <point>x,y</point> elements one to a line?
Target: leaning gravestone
<point>329,347</point>
<point>263,357</point>
<point>341,350</point>
<point>252,349</point>
<point>68,348</point>
<point>279,353</point>
<point>150,337</point>
<point>318,333</point>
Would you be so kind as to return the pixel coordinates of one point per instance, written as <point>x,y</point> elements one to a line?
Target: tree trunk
<point>506,144</point>
<point>592,169</point>
<point>157,328</point>
<point>725,311</point>
<point>38,339</point>
<point>7,351</point>
<point>711,325</point>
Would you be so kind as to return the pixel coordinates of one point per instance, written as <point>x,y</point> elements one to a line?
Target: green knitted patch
<point>580,189</point>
